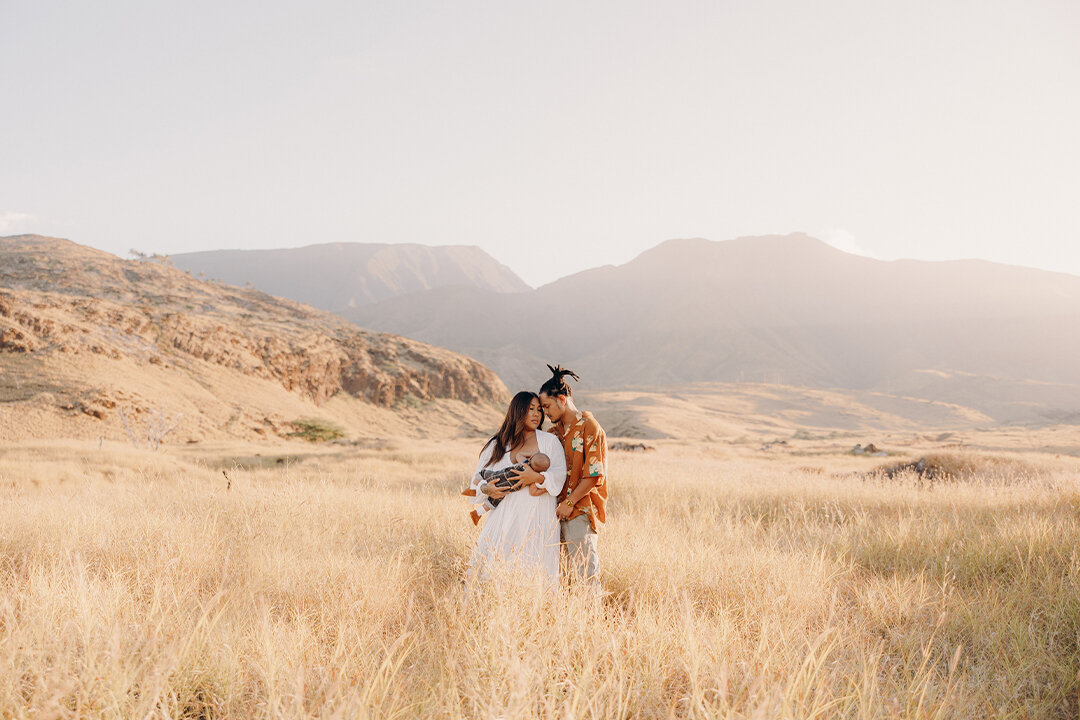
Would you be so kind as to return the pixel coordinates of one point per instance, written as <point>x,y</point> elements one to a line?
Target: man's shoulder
<point>553,431</point>
<point>590,424</point>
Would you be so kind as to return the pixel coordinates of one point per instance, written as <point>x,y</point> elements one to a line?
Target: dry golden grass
<point>136,585</point>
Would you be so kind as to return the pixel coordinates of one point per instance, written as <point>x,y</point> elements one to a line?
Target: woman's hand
<point>491,491</point>
<point>528,476</point>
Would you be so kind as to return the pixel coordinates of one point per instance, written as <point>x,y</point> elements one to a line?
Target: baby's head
<point>539,462</point>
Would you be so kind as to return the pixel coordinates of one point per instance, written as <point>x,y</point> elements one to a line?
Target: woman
<point>522,530</point>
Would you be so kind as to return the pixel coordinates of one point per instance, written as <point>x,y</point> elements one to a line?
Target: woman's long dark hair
<point>512,432</point>
<point>556,384</point>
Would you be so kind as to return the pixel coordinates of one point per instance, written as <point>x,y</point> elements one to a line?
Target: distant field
<point>746,581</point>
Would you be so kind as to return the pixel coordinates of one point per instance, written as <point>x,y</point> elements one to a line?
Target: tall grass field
<point>333,585</point>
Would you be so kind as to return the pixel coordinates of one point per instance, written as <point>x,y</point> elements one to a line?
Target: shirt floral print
<point>585,446</point>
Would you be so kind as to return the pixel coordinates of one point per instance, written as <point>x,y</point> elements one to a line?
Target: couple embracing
<point>542,492</point>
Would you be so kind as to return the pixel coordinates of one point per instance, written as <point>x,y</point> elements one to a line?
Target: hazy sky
<point>556,135</point>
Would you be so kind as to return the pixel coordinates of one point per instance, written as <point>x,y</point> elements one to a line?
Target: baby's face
<point>540,462</point>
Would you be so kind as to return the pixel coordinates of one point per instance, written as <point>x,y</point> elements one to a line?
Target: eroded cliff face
<point>61,299</point>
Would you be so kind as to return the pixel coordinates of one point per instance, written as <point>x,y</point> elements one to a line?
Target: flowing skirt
<point>521,535</point>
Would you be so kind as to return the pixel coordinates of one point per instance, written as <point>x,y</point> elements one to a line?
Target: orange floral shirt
<point>585,446</point>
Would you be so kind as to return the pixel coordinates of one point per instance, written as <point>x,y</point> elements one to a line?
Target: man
<point>583,497</point>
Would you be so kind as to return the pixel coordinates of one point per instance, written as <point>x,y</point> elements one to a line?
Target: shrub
<point>951,467</point>
<point>316,430</point>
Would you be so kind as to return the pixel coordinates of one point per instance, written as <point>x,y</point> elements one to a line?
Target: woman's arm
<point>477,481</point>
<point>554,476</point>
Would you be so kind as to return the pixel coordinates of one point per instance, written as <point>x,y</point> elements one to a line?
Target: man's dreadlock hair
<point>556,384</point>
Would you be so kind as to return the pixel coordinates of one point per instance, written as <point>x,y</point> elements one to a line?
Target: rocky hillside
<point>84,335</point>
<point>338,276</point>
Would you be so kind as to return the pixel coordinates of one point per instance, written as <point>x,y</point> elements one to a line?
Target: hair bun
<point>559,372</point>
<point>556,384</point>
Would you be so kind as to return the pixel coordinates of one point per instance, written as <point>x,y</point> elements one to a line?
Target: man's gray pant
<point>579,540</point>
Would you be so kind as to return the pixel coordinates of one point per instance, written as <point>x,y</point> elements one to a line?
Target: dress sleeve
<point>477,481</point>
<point>554,476</point>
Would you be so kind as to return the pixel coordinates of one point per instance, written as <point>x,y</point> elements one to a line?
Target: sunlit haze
<point>556,136</point>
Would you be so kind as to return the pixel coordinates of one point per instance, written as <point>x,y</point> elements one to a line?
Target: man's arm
<point>584,487</point>
<point>593,469</point>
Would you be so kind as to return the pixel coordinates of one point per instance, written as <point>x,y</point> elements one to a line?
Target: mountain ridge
<point>790,306</point>
<point>336,276</point>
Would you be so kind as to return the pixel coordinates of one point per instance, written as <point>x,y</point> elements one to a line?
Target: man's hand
<point>564,510</point>
<point>528,476</point>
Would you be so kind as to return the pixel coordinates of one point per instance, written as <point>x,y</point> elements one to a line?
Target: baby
<point>505,479</point>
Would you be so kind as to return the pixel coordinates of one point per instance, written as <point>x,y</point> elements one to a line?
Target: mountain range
<point>774,327</point>
<point>340,276</point>
<point>785,309</point>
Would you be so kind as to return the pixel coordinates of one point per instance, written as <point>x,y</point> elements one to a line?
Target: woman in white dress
<point>522,533</point>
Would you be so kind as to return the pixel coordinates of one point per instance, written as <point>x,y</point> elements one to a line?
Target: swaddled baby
<point>506,479</point>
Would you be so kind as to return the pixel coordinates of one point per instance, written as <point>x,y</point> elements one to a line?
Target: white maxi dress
<point>522,533</point>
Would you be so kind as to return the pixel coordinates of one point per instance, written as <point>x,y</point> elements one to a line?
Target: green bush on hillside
<point>316,430</point>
